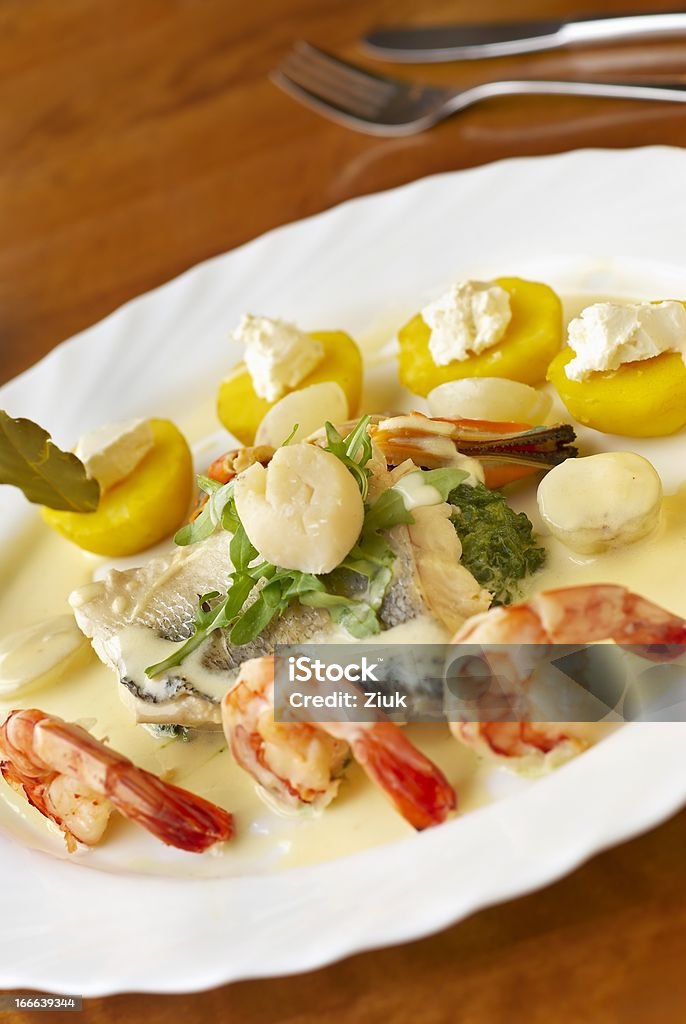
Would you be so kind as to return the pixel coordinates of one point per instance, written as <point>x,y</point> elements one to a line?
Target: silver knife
<point>437,43</point>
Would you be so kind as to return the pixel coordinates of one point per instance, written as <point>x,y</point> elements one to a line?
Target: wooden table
<point>142,136</point>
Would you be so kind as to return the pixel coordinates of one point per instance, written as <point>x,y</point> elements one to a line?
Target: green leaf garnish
<point>444,480</point>
<point>214,512</point>
<point>290,437</point>
<point>260,613</point>
<point>48,476</point>
<point>357,617</point>
<point>354,451</point>
<point>386,512</point>
<point>241,550</point>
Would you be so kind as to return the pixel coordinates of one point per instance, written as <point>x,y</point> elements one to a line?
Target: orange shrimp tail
<point>174,815</point>
<point>418,789</point>
<point>515,739</point>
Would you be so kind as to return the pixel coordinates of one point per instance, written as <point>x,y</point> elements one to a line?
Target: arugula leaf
<point>214,612</point>
<point>357,617</point>
<point>354,451</point>
<point>444,480</point>
<point>241,550</point>
<point>498,544</point>
<point>199,529</point>
<point>48,476</point>
<point>290,437</point>
<point>387,511</point>
<point>260,613</point>
<point>216,510</point>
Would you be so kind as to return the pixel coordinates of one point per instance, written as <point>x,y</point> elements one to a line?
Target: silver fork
<point>379,105</point>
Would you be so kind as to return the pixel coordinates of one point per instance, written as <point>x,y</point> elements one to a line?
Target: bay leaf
<point>48,476</point>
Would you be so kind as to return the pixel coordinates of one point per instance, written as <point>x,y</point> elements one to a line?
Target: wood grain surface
<point>141,136</point>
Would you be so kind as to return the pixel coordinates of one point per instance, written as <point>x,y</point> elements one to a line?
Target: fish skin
<point>162,596</point>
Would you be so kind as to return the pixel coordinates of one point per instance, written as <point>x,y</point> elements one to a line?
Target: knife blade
<point>438,43</point>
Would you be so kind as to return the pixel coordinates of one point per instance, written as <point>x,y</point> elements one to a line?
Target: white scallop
<point>489,398</point>
<point>601,501</point>
<point>308,408</point>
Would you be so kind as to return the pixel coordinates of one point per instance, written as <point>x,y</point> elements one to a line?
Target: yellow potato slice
<point>646,398</point>
<point>241,410</point>
<point>532,338</point>
<point>143,509</point>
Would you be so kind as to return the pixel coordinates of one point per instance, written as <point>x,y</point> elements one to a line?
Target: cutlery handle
<point>672,93</point>
<point>438,43</point>
<point>632,26</point>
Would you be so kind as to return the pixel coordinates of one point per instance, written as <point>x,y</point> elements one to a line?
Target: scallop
<point>307,409</point>
<point>489,398</point>
<point>601,501</point>
<point>303,512</point>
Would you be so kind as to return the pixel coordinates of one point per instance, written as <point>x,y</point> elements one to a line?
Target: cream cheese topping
<point>607,335</point>
<point>277,354</point>
<point>468,319</point>
<point>111,453</point>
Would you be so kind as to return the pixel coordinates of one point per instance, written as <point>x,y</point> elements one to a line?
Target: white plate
<point>591,221</point>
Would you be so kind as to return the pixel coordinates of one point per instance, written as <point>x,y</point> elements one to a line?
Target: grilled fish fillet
<point>137,617</point>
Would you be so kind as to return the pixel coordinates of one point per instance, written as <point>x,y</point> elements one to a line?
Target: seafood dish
<point>503,501</point>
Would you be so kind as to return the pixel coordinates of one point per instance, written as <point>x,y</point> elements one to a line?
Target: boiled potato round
<point>308,408</point>
<point>304,511</point>
<point>601,501</point>
<point>646,398</point>
<point>143,509</point>
<point>489,398</point>
<point>533,336</point>
<point>241,409</point>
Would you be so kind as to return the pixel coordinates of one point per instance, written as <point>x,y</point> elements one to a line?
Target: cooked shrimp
<point>302,762</point>
<point>571,615</point>
<point>76,782</point>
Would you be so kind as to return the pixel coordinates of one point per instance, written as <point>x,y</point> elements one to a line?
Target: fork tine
<point>330,107</point>
<point>343,85</point>
<point>329,92</point>
<point>355,76</point>
<point>299,67</point>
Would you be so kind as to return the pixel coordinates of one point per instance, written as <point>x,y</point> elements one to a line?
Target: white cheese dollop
<point>111,453</point>
<point>471,317</point>
<point>278,355</point>
<point>607,335</point>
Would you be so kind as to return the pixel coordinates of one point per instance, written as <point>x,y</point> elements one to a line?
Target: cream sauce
<point>40,654</point>
<point>415,493</point>
<point>360,817</point>
<point>39,571</point>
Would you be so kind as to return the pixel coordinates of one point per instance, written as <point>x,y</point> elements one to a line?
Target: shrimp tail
<point>75,781</point>
<point>177,817</point>
<point>417,788</point>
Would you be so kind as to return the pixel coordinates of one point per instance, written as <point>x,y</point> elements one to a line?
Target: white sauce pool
<point>40,569</point>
